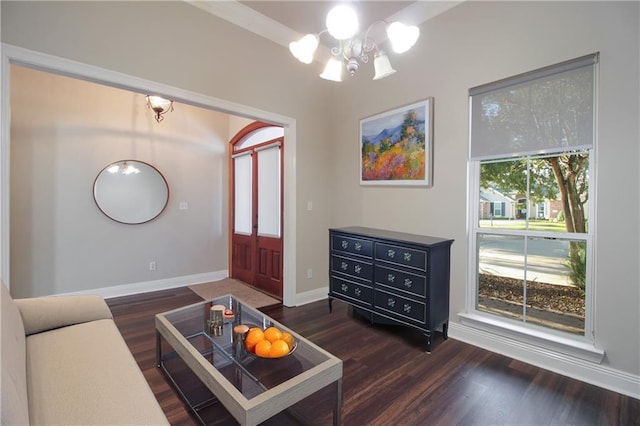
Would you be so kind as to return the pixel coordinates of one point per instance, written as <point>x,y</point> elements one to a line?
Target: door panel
<point>242,257</point>
<point>243,241</point>
<point>269,241</point>
<point>268,268</point>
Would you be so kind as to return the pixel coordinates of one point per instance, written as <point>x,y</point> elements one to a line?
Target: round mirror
<point>131,192</point>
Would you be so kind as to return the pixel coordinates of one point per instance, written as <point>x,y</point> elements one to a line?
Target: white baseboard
<point>596,374</point>
<point>312,296</point>
<point>147,286</point>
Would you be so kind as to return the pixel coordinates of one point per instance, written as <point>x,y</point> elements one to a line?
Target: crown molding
<point>421,11</point>
<point>251,20</point>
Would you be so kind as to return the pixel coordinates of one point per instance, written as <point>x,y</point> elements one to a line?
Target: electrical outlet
<point>152,265</point>
<point>309,273</point>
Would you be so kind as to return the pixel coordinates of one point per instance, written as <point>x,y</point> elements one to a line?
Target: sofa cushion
<point>46,313</point>
<point>15,408</point>
<point>85,374</point>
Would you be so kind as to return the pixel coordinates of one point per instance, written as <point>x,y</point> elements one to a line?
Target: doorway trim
<point>252,151</point>
<point>49,63</point>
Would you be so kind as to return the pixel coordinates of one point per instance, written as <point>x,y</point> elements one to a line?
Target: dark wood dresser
<point>392,277</point>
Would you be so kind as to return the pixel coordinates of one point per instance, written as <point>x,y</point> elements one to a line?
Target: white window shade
<point>543,111</point>
<point>269,191</point>
<point>242,165</point>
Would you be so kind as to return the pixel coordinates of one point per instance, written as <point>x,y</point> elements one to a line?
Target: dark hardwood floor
<point>389,380</point>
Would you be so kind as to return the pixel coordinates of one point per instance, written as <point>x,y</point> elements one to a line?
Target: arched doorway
<point>256,226</point>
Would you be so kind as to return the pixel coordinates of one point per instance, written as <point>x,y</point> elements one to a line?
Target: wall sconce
<point>159,105</point>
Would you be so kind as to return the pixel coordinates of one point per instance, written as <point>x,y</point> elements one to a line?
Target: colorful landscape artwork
<point>396,146</point>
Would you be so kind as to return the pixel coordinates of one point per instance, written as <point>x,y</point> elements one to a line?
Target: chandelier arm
<point>337,50</point>
<point>368,45</point>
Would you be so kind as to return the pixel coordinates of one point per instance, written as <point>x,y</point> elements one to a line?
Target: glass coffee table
<point>208,368</point>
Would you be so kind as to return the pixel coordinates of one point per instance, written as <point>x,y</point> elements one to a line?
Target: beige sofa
<point>64,362</point>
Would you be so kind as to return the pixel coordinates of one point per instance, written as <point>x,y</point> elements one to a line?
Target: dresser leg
<point>445,330</point>
<point>427,342</point>
<point>330,304</point>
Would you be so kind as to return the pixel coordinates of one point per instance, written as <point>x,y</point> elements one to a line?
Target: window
<point>532,139</point>
<point>497,209</point>
<point>542,211</point>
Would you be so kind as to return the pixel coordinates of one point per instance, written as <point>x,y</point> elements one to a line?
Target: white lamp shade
<point>342,22</point>
<point>333,70</point>
<point>304,48</point>
<point>382,66</point>
<point>157,103</point>
<point>402,36</point>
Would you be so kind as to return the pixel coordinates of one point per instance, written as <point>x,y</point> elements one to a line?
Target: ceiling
<point>286,21</point>
<point>309,16</point>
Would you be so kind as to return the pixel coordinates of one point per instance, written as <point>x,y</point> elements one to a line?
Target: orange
<point>287,337</point>
<point>272,334</point>
<point>254,335</point>
<point>263,348</point>
<point>278,348</point>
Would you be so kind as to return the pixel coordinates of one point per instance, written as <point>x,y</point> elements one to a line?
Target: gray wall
<point>481,42</point>
<point>472,44</point>
<point>64,131</point>
<point>194,53</point>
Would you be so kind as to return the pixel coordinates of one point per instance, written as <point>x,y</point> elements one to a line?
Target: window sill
<point>538,339</point>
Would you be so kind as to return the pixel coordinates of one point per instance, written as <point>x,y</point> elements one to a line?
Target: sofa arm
<point>46,313</point>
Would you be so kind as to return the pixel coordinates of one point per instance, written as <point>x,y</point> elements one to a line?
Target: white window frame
<point>578,346</point>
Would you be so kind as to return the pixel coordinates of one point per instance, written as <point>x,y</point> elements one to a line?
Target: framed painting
<point>396,147</point>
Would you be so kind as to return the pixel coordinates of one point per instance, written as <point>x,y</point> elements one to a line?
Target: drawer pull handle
<point>391,253</point>
<point>345,288</point>
<point>357,268</point>
<point>408,282</point>
<point>391,302</point>
<point>357,291</point>
<point>407,257</point>
<point>358,246</point>
<point>406,308</point>
<point>344,266</point>
<point>344,244</point>
<point>391,278</point>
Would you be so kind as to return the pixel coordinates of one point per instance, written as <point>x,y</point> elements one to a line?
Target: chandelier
<point>342,24</point>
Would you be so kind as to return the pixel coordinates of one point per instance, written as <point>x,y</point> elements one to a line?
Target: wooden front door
<point>256,210</point>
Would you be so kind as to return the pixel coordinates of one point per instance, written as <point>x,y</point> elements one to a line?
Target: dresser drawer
<point>354,267</point>
<point>405,281</point>
<point>401,256</point>
<point>358,246</point>
<point>357,292</point>
<point>400,306</point>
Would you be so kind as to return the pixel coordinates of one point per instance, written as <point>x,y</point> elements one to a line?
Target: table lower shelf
<point>207,409</point>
